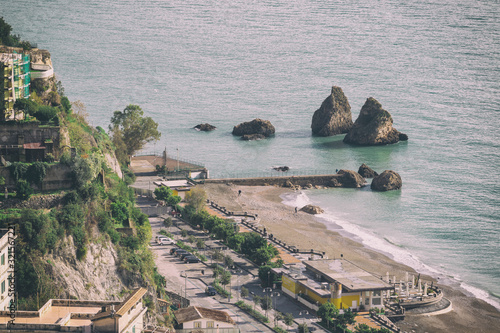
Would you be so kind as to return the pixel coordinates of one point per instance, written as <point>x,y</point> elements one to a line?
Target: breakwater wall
<point>283,181</point>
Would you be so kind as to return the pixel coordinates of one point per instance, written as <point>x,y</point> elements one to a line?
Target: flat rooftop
<point>352,277</point>
<point>55,314</point>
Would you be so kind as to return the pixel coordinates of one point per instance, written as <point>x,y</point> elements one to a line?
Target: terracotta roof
<point>132,299</point>
<point>195,312</point>
<point>33,145</point>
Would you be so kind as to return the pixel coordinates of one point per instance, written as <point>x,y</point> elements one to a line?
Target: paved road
<point>194,285</point>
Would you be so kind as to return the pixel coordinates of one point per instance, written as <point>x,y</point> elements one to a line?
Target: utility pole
<point>177,159</point>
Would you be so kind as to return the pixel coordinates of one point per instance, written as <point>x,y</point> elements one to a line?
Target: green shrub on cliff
<point>11,40</point>
<point>23,189</point>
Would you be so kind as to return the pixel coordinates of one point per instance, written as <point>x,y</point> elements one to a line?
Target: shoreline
<point>307,231</point>
<point>393,251</point>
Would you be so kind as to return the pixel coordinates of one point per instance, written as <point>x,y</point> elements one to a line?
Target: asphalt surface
<point>187,280</point>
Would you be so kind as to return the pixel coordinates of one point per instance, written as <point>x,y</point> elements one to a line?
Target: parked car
<point>179,252</point>
<point>191,256</point>
<point>210,291</point>
<point>191,259</point>
<point>184,255</point>
<point>174,250</point>
<point>165,241</point>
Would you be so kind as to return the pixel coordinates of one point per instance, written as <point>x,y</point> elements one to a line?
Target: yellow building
<point>346,285</point>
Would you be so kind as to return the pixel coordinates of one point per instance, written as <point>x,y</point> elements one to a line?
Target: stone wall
<point>283,181</point>
<point>58,177</point>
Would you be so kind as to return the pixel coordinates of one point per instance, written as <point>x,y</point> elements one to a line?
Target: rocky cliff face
<point>97,276</point>
<point>334,115</point>
<point>373,126</point>
<point>256,126</point>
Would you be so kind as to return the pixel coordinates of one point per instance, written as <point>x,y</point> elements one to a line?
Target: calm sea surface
<point>434,65</point>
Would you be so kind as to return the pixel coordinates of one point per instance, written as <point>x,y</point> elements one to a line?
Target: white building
<point>195,318</point>
<point>4,269</point>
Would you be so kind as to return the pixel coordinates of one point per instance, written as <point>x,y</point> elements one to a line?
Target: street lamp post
<point>177,159</point>
<point>303,312</point>
<point>269,290</point>
<point>238,272</point>
<point>185,285</point>
<point>275,294</point>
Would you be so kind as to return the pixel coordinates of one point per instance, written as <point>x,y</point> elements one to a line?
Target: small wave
<point>390,242</point>
<point>296,199</point>
<point>482,294</point>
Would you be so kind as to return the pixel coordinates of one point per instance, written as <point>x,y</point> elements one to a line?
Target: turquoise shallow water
<point>434,65</point>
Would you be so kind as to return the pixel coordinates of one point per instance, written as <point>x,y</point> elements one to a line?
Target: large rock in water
<point>256,126</point>
<point>205,127</point>
<point>387,181</point>
<point>334,115</point>
<point>310,209</point>
<point>347,178</point>
<point>366,172</point>
<point>373,126</point>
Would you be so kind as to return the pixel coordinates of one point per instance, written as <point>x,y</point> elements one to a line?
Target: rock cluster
<point>387,181</point>
<point>347,178</point>
<point>334,115</point>
<point>373,126</point>
<point>366,172</point>
<point>205,127</point>
<point>311,209</point>
<point>263,129</point>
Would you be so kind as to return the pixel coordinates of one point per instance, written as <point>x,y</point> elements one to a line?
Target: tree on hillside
<point>131,131</point>
<point>196,198</point>
<point>11,40</point>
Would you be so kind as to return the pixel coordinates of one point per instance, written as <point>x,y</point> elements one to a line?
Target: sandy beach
<point>306,232</point>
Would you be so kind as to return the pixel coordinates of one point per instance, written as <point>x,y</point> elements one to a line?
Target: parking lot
<point>186,279</point>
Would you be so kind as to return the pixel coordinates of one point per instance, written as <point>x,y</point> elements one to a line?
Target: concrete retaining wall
<point>58,177</point>
<point>303,181</point>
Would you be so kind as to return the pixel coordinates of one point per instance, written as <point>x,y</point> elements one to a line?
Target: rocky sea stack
<point>367,172</point>
<point>205,127</point>
<point>387,181</point>
<point>334,115</point>
<point>373,126</point>
<point>310,209</point>
<point>255,129</point>
<point>347,178</point>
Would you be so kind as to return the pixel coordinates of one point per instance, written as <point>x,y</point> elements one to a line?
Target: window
<point>3,286</point>
<point>197,324</point>
<point>133,329</point>
<point>210,324</point>
<point>376,293</point>
<point>3,259</point>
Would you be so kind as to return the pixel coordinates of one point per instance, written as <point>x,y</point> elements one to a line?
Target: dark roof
<point>195,312</point>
